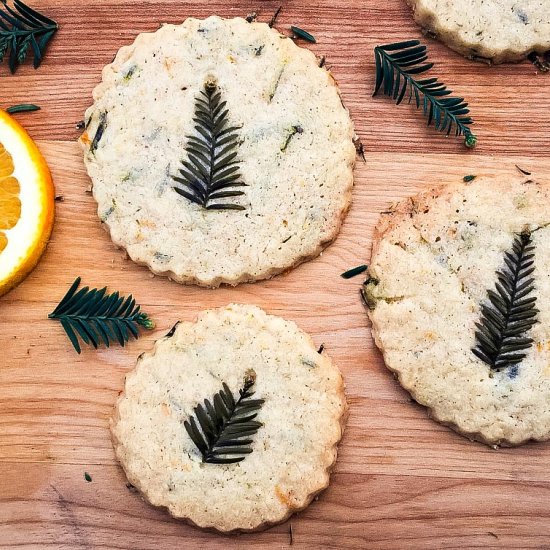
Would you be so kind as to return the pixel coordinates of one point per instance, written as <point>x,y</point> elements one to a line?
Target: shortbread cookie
<point>431,287</point>
<point>291,136</point>
<point>292,451</point>
<point>488,30</point>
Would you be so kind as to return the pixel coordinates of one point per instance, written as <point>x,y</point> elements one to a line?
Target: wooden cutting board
<point>402,481</point>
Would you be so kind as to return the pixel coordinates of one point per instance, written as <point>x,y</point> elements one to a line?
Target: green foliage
<point>300,33</point>
<point>211,170</point>
<point>225,424</point>
<point>501,335</point>
<point>22,108</point>
<point>98,317</point>
<point>23,29</point>
<point>396,68</point>
<point>354,271</point>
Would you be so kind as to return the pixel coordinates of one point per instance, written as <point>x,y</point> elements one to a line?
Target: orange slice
<point>26,203</point>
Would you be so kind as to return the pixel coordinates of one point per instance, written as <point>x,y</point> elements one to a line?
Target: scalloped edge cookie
<point>475,32</point>
<point>155,451</point>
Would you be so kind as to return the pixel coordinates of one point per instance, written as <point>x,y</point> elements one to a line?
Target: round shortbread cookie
<point>494,31</point>
<point>293,451</point>
<point>295,151</point>
<point>435,257</point>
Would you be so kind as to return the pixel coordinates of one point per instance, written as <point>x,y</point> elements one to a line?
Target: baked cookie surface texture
<point>492,30</point>
<point>458,292</point>
<point>293,450</point>
<point>238,106</point>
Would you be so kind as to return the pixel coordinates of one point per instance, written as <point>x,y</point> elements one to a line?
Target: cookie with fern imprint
<point>231,422</point>
<point>458,293</point>
<point>219,151</point>
<point>494,31</point>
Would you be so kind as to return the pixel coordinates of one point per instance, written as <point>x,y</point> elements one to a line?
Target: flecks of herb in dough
<point>296,129</point>
<point>276,84</point>
<point>522,16</point>
<point>520,201</point>
<point>108,212</point>
<point>99,132</point>
<point>162,257</point>
<point>130,72</point>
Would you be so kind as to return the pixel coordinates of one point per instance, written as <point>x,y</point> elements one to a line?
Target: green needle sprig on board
<point>23,29</point>
<point>96,317</point>
<point>396,68</point>
<point>297,32</point>
<point>22,108</point>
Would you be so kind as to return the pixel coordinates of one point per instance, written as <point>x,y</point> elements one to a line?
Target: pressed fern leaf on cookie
<point>210,173</point>
<point>221,429</point>
<point>23,29</point>
<point>505,320</point>
<point>99,317</point>
<point>396,68</point>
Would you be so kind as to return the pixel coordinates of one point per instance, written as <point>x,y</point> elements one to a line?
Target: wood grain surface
<point>402,481</point>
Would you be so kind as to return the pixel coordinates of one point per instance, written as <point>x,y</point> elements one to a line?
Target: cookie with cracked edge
<point>434,257</point>
<point>295,152</point>
<point>294,450</point>
<point>493,31</point>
